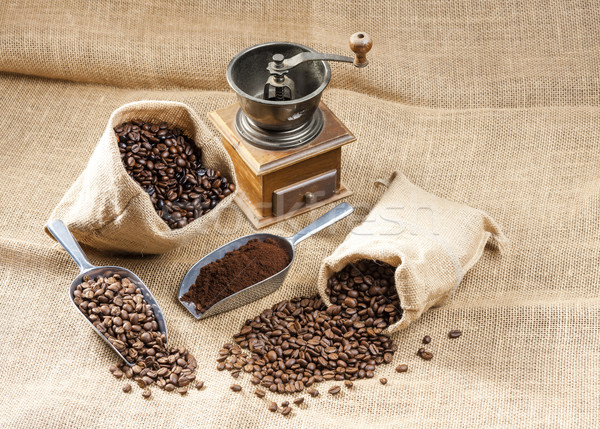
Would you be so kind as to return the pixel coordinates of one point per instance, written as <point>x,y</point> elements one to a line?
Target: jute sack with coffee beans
<point>107,209</point>
<point>431,241</point>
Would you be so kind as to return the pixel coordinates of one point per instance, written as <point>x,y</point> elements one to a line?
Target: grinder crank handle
<point>360,43</point>
<point>332,216</point>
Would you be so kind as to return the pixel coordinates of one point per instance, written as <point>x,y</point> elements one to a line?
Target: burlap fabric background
<point>492,104</point>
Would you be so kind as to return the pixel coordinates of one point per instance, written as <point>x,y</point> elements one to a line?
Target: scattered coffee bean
<point>285,404</point>
<point>127,388</point>
<point>348,384</point>
<point>424,354</point>
<point>113,303</point>
<point>272,407</point>
<point>260,393</point>
<point>167,165</point>
<point>299,400</point>
<point>402,368</point>
<point>313,392</point>
<point>426,339</point>
<point>182,390</point>
<point>299,342</point>
<point>199,385</point>
<point>236,387</point>
<point>286,410</point>
<point>220,366</point>
<point>334,390</point>
<point>455,333</point>
<point>146,393</point>
<point>383,380</point>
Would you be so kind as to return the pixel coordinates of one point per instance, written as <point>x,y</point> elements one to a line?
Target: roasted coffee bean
<point>236,387</point>
<point>199,385</point>
<point>455,333</point>
<point>313,392</point>
<point>127,388</point>
<point>182,390</point>
<point>402,368</point>
<point>117,306</point>
<point>299,400</point>
<point>146,393</point>
<point>424,354</point>
<point>286,410</point>
<point>299,342</point>
<point>426,339</point>
<point>383,380</point>
<point>272,407</point>
<point>285,404</point>
<point>334,390</point>
<point>348,384</point>
<point>167,165</point>
<point>260,393</point>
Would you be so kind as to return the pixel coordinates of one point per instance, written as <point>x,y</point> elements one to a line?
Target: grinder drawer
<point>304,193</point>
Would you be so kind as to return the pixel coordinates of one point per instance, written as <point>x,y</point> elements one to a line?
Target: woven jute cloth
<point>489,104</point>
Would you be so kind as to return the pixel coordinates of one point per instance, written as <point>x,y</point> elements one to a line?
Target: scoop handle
<point>62,234</point>
<point>332,216</point>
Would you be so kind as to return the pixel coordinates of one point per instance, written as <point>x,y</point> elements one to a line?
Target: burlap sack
<point>106,209</point>
<point>432,241</point>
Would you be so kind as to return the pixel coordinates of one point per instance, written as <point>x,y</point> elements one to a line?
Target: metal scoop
<point>62,234</point>
<point>266,286</point>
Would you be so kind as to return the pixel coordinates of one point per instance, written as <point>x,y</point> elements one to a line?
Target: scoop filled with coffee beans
<point>219,282</point>
<point>167,164</point>
<point>116,303</point>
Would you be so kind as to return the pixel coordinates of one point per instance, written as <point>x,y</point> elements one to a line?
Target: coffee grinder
<point>284,142</point>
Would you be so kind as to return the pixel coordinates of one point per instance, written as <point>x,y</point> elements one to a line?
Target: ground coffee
<point>238,269</point>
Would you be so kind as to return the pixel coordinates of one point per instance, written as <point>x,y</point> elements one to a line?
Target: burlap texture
<point>489,104</point>
<point>107,210</point>
<point>431,241</point>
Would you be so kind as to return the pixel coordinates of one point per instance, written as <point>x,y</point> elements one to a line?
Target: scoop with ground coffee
<point>238,269</point>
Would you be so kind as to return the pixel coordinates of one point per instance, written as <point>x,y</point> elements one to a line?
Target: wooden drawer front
<point>304,193</point>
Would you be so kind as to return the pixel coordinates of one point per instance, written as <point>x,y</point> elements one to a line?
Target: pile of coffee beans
<point>117,308</point>
<point>299,342</point>
<point>168,166</point>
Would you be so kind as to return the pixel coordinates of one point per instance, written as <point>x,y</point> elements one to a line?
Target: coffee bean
<point>182,390</point>
<point>341,342</point>
<point>285,404</point>
<point>455,333</point>
<point>167,165</point>
<point>348,384</point>
<point>299,400</point>
<point>286,410</point>
<point>236,387</point>
<point>334,390</point>
<point>313,392</point>
<point>199,385</point>
<point>424,354</point>
<point>146,393</point>
<point>260,393</point>
<point>426,339</point>
<point>402,368</point>
<point>383,380</point>
<point>128,322</point>
<point>272,407</point>
<point>127,388</point>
